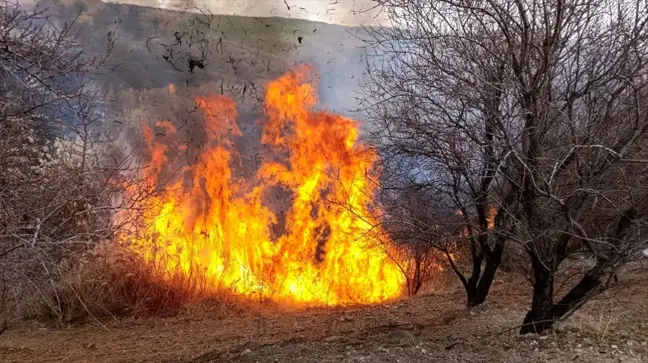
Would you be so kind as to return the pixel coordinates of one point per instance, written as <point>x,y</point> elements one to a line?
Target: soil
<point>433,327</point>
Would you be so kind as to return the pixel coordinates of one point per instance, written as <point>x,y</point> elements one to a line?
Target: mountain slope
<point>154,47</point>
<point>342,12</point>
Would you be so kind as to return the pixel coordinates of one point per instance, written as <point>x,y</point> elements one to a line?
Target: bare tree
<point>534,107</point>
<point>435,124</point>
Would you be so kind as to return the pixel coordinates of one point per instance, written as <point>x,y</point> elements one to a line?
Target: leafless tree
<point>427,122</point>
<point>535,107</point>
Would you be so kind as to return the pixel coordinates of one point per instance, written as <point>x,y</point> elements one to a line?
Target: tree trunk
<point>544,313</point>
<point>477,291</point>
<point>483,288</point>
<point>539,318</point>
<point>471,294</point>
<point>479,283</point>
<point>418,279</point>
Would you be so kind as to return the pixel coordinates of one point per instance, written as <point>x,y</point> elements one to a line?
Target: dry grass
<point>614,317</point>
<point>116,284</point>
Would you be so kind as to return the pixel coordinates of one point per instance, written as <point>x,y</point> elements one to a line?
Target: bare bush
<point>420,263</point>
<point>536,108</point>
<point>56,194</point>
<point>422,238</point>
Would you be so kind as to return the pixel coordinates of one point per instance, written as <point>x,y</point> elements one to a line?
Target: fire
<point>214,230</point>
<point>490,218</point>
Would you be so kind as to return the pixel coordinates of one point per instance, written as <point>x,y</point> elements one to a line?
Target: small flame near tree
<point>212,230</point>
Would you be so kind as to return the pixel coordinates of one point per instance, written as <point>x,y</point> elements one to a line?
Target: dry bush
<point>59,182</point>
<point>421,264</point>
<point>50,214</point>
<point>113,282</point>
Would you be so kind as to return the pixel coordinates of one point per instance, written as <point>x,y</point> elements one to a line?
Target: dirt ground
<point>434,327</point>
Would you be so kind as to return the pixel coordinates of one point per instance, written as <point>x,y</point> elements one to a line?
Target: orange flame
<point>490,218</point>
<point>213,231</point>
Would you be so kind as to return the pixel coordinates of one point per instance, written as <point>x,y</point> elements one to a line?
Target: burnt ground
<point>434,327</point>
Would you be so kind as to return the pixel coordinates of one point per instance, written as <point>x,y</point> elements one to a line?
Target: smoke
<point>337,55</point>
<point>154,47</point>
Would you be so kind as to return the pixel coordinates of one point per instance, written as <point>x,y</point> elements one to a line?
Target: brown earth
<point>434,327</point>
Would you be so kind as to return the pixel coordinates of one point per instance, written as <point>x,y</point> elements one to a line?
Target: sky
<point>343,12</point>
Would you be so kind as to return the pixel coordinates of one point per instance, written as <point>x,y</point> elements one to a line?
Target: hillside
<point>153,47</point>
<point>343,12</point>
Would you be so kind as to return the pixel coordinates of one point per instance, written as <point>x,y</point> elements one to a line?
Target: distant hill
<point>343,12</point>
<point>155,47</point>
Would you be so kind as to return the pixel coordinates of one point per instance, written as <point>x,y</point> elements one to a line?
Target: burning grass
<point>299,229</point>
<point>210,230</point>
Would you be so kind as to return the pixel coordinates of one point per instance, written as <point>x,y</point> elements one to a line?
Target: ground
<point>434,327</point>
